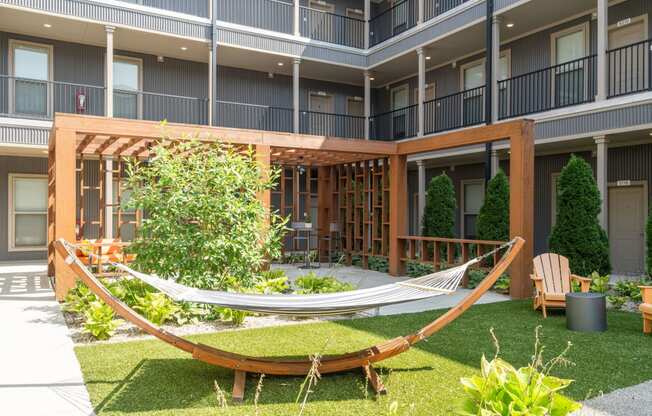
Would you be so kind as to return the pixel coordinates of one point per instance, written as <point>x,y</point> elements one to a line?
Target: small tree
<point>577,233</point>
<point>493,219</point>
<point>648,244</point>
<point>203,222</point>
<point>439,213</point>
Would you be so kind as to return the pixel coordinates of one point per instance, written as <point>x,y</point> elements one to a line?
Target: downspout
<point>488,67</point>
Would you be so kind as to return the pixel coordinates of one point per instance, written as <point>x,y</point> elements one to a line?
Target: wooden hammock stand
<point>243,364</point>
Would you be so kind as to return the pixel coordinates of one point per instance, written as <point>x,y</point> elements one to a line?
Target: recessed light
<point>279,63</point>
<point>47,25</point>
<point>427,58</point>
<point>183,48</point>
<point>510,25</point>
<point>371,78</point>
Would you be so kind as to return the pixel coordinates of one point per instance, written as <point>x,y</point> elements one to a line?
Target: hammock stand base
<point>243,364</point>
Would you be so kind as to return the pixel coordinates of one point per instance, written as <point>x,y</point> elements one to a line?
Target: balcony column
<point>297,18</point>
<point>295,93</point>
<point>211,94</point>
<point>603,40</point>
<point>367,103</point>
<point>602,144</point>
<point>109,70</point>
<point>495,162</point>
<point>422,194</point>
<point>367,16</point>
<point>495,61</point>
<point>420,12</point>
<point>421,56</point>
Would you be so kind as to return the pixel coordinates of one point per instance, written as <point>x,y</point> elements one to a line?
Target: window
<point>126,87</point>
<point>569,47</point>
<point>31,67</point>
<point>355,106</point>
<point>472,200</point>
<point>473,78</point>
<point>28,212</point>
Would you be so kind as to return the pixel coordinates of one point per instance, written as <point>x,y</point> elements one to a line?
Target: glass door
<point>473,97</point>
<point>400,100</point>
<point>569,73</point>
<point>31,87</point>
<point>126,88</point>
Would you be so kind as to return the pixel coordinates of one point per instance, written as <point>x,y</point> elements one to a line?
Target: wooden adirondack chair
<point>646,309</point>
<point>552,280</point>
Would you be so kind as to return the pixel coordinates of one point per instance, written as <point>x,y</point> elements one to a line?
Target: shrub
<point>100,322</point>
<point>478,275</point>
<point>379,264</point>
<point>599,283</point>
<point>502,389</point>
<point>234,316</point>
<point>203,219</point>
<point>79,299</point>
<point>648,244</point>
<point>311,284</point>
<point>577,234</point>
<point>439,213</point>
<point>156,307</point>
<point>416,269</point>
<point>272,281</point>
<point>493,218</point>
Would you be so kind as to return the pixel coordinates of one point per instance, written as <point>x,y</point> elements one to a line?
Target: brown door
<point>626,226</point>
<point>628,66</point>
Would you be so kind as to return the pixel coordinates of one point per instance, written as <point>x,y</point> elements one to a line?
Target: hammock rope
<point>425,287</point>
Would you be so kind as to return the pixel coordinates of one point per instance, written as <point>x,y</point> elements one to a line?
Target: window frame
<point>507,54</point>
<point>463,212</point>
<point>585,29</point>
<point>139,93</point>
<point>11,213</point>
<point>12,44</point>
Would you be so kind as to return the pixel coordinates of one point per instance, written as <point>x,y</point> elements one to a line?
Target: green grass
<point>152,378</point>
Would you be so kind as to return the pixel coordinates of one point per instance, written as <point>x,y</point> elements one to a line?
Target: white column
<point>297,18</point>
<point>603,40</point>
<point>495,55</point>
<point>495,163</point>
<point>108,197</point>
<point>421,56</point>
<point>367,16</point>
<point>367,103</point>
<point>295,92</point>
<point>422,193</point>
<point>109,70</point>
<point>211,94</point>
<point>601,178</point>
<point>420,14</point>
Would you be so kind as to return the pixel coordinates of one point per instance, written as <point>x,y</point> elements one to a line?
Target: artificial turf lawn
<point>152,378</point>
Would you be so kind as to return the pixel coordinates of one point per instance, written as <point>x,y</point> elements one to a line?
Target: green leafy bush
<point>439,212</point>
<point>156,307</point>
<point>502,390</point>
<point>648,244</point>
<point>599,283</point>
<point>617,302</point>
<point>234,316</point>
<point>630,289</point>
<point>478,275</point>
<point>577,233</point>
<point>379,264</point>
<point>204,221</point>
<point>417,269</point>
<point>79,299</point>
<point>100,322</point>
<point>493,218</point>
<point>311,284</point>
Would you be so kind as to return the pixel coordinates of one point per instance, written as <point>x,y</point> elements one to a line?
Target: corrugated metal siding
<point>632,163</point>
<point>13,164</point>
<point>115,15</point>
<point>24,135</point>
<point>193,7</point>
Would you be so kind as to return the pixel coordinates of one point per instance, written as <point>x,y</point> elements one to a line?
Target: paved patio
<point>39,373</point>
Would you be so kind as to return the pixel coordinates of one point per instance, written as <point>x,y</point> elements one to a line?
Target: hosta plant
<point>311,284</point>
<point>503,390</point>
<point>100,322</point>
<point>156,307</point>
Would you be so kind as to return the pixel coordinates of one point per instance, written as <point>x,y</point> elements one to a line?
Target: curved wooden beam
<point>299,367</point>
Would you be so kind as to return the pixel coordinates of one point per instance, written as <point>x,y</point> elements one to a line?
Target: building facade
<point>363,69</point>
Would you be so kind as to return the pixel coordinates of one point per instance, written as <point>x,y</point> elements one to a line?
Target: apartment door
<point>399,13</point>
<point>321,20</point>
<point>628,66</point>
<point>30,67</point>
<point>354,127</point>
<point>400,99</point>
<point>321,120</point>
<point>473,97</point>
<point>626,228</point>
<point>127,82</point>
<point>570,70</point>
<point>354,35</point>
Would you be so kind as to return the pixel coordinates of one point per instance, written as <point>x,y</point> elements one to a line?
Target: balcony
<point>274,15</point>
<point>154,106</point>
<point>398,124</point>
<point>252,116</point>
<point>454,111</point>
<point>192,7</point>
<point>331,27</point>
<point>629,70</point>
<point>329,124</point>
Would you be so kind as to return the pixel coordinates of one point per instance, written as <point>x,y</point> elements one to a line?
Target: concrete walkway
<point>630,401</point>
<point>39,373</point>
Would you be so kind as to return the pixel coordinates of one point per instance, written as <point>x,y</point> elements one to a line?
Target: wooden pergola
<point>380,168</point>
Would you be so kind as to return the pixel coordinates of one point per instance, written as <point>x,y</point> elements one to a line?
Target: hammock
<point>425,287</point>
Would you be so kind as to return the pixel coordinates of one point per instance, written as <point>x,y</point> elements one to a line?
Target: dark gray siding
<point>193,7</point>
<point>14,164</point>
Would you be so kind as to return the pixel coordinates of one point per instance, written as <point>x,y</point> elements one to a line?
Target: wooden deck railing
<point>102,252</point>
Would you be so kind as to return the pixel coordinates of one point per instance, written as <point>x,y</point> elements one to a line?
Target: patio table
<point>586,312</point>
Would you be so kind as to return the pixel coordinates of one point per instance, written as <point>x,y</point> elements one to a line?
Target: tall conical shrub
<point>577,233</point>
<point>493,218</point>
<point>439,213</point>
<point>648,244</point>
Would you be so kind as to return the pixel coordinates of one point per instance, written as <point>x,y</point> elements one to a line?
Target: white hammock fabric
<point>435,284</point>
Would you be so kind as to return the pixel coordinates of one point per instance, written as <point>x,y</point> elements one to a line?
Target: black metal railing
<point>39,99</point>
<point>155,106</point>
<point>331,27</point>
<point>273,15</point>
<point>253,116</point>
<point>395,125</point>
<point>558,86</point>
<point>389,23</point>
<point>329,124</point>
<point>454,111</point>
<point>629,69</point>
<point>434,8</point>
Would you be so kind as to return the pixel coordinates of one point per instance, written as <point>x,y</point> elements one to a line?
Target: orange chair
<point>552,280</point>
<point>646,309</point>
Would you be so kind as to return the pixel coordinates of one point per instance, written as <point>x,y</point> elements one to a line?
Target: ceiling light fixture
<point>427,58</point>
<point>183,48</point>
<point>371,78</point>
<point>279,63</point>
<point>47,25</point>
<point>510,25</point>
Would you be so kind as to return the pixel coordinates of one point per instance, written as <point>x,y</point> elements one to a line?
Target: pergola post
<point>398,209</point>
<point>521,208</point>
<point>264,158</point>
<point>324,199</point>
<point>62,205</point>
